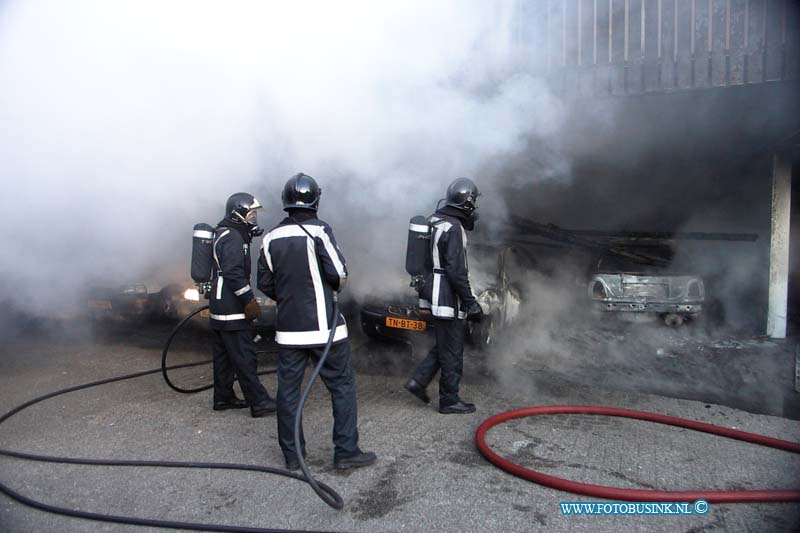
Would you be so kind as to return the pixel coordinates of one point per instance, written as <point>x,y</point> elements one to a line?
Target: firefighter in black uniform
<point>447,292</point>
<point>300,266</point>
<point>233,308</point>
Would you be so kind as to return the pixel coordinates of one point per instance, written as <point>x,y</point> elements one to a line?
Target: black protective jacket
<point>299,268</point>
<point>447,291</point>
<point>230,290</point>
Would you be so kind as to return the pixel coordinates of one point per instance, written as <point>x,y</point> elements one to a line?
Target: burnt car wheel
<point>674,320</point>
<point>168,307</point>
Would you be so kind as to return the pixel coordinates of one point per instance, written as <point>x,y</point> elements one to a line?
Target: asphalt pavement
<point>429,475</point>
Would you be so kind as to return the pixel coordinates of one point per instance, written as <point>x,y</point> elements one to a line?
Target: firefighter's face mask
<point>251,220</point>
<point>472,211</point>
<point>472,206</point>
<point>472,202</point>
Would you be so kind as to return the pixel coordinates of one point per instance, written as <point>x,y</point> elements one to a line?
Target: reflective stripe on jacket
<point>300,271</point>
<point>447,291</point>
<point>230,289</point>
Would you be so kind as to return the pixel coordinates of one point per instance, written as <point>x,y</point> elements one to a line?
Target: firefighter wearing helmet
<point>446,291</point>
<point>233,308</point>
<point>300,267</point>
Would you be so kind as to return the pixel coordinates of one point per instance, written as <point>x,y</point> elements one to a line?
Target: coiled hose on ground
<point>328,494</point>
<point>334,500</point>
<point>614,493</point>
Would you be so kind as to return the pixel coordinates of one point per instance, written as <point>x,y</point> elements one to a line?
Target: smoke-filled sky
<point>124,123</point>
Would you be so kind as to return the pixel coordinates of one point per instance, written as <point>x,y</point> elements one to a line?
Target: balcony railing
<point>595,47</point>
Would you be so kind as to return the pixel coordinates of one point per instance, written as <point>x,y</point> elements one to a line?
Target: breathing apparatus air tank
<point>202,254</point>
<point>418,250</point>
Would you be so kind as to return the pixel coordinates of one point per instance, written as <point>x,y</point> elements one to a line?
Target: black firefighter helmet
<point>301,192</point>
<point>241,208</point>
<point>463,194</point>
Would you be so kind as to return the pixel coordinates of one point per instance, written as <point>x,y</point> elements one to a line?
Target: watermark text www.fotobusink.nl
<point>634,508</point>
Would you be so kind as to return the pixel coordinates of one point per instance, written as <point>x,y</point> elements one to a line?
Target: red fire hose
<point>614,493</point>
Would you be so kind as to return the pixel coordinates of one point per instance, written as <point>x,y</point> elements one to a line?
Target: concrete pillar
<point>779,246</point>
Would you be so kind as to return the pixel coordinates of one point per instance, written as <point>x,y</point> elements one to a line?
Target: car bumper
<point>622,306</point>
<point>373,323</point>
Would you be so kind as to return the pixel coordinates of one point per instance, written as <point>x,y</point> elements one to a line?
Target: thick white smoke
<point>124,123</point>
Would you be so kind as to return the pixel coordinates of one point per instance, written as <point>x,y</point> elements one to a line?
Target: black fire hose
<point>131,520</point>
<point>164,352</point>
<point>328,494</point>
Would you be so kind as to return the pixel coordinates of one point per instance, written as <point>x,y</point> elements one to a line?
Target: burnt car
<point>676,298</point>
<point>632,272</point>
<point>133,301</point>
<point>618,285</point>
<point>124,302</point>
<point>403,320</point>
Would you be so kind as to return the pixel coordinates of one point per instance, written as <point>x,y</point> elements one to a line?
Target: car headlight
<point>192,295</point>
<point>598,290</point>
<point>694,292</point>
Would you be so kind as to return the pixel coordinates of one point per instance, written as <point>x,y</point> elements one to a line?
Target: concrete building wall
<point>780,218</point>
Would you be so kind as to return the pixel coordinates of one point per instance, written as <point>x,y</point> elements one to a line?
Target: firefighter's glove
<point>252,311</point>
<point>474,312</point>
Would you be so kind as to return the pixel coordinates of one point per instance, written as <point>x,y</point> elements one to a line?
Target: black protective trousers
<point>234,354</point>
<point>337,374</point>
<point>447,356</point>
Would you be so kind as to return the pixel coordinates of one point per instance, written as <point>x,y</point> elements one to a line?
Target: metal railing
<point>591,47</point>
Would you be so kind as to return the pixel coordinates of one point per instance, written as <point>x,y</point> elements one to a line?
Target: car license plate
<point>405,323</point>
<point>100,304</point>
<point>205,313</point>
